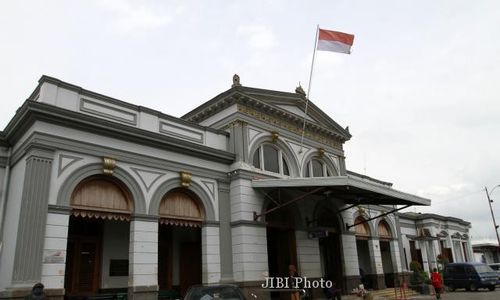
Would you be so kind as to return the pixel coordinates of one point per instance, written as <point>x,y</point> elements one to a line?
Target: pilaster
<point>249,251</point>
<point>54,250</point>
<point>377,266</point>
<point>33,218</point>
<point>210,254</point>
<point>143,259</point>
<point>226,248</point>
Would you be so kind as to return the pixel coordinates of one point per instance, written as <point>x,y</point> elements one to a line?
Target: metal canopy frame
<point>350,189</point>
<point>279,205</point>
<point>376,217</point>
<point>352,195</point>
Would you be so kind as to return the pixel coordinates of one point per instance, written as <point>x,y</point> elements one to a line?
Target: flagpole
<point>309,88</point>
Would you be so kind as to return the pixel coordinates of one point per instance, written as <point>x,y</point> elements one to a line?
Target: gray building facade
<point>103,196</point>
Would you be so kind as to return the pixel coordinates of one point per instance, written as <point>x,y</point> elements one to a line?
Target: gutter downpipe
<point>3,201</point>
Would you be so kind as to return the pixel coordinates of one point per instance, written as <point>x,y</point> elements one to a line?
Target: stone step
<point>391,294</point>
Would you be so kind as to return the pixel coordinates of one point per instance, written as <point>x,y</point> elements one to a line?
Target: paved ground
<point>482,294</point>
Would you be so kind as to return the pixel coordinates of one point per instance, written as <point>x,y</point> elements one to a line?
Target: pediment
<point>276,105</point>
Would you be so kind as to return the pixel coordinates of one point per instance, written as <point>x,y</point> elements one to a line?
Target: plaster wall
<point>308,255</point>
<point>249,253</point>
<point>245,200</point>
<point>115,243</point>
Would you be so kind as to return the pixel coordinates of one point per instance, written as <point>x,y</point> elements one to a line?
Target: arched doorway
<point>179,242</point>
<point>362,235</point>
<point>331,246</point>
<point>281,242</point>
<point>386,237</point>
<point>281,246</point>
<point>98,237</point>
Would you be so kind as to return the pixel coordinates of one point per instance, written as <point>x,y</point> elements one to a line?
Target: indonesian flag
<point>335,41</point>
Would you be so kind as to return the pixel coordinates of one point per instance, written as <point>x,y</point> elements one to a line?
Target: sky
<point>420,91</point>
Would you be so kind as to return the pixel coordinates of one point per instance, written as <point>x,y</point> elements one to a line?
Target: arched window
<point>101,197</point>
<point>270,158</point>
<point>179,207</point>
<point>362,228</point>
<point>317,168</point>
<point>384,231</point>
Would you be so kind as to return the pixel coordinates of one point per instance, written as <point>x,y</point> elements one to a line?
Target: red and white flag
<point>335,41</point>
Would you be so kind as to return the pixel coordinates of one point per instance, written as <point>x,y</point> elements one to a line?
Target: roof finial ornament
<point>299,90</point>
<point>236,80</point>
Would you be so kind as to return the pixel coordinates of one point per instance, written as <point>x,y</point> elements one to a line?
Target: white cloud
<point>131,17</point>
<point>259,37</point>
<point>452,190</point>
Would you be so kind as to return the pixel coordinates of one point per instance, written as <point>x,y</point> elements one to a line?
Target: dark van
<point>470,276</point>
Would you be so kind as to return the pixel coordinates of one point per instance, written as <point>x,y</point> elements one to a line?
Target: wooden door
<point>281,252</point>
<point>165,258</point>
<point>330,249</point>
<point>190,265</point>
<point>84,268</point>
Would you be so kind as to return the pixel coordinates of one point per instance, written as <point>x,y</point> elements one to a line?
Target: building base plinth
<point>351,282</point>
<point>143,292</point>
<point>21,293</point>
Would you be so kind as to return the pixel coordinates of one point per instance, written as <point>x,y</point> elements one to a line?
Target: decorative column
<point>32,218</point>
<point>249,251</point>
<point>248,237</point>
<point>425,255</point>
<point>210,253</point>
<point>396,261</point>
<point>143,258</point>
<point>378,278</point>
<point>226,247</point>
<point>350,260</point>
<point>54,250</point>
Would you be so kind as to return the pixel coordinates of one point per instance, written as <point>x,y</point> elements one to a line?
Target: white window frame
<point>281,157</point>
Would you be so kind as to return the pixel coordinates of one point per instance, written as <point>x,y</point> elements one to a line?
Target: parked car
<point>223,291</point>
<point>496,267</point>
<point>470,276</point>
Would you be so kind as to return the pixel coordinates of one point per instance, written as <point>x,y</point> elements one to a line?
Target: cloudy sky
<point>420,92</point>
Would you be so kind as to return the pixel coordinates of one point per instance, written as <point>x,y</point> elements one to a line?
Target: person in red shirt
<point>437,282</point>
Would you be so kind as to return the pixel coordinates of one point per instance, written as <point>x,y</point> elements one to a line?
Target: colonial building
<point>103,196</point>
<point>434,240</point>
<point>488,253</point>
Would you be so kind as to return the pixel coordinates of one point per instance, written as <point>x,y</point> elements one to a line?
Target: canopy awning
<point>347,188</point>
